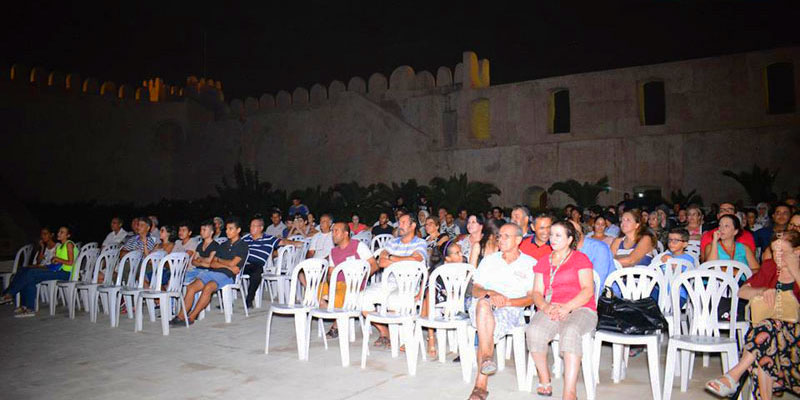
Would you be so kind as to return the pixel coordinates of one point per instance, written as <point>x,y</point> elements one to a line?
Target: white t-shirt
<point>321,243</point>
<point>115,238</point>
<point>191,245</point>
<point>276,231</point>
<point>513,280</point>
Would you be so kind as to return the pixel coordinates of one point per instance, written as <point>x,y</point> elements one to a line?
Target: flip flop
<point>488,367</point>
<point>548,389</point>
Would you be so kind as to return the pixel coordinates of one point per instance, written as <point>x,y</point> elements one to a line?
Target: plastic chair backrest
<point>22,258</point>
<point>409,277</point>
<point>300,253</point>
<point>153,259</point>
<point>314,270</point>
<point>132,260</point>
<point>738,271</point>
<point>379,241</point>
<point>693,248</point>
<point>83,265</point>
<point>108,261</point>
<point>298,238</point>
<point>177,263</point>
<point>659,246</point>
<point>220,240</point>
<point>89,246</point>
<point>617,264</point>
<point>355,273</point>
<point>286,257</point>
<point>113,247</point>
<point>455,278</point>
<point>705,287</point>
<point>638,283</point>
<point>363,237</point>
<point>670,269</point>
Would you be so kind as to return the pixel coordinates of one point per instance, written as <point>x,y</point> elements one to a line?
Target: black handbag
<point>631,317</point>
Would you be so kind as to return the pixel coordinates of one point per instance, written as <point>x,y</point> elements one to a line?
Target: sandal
<point>333,333</point>
<point>544,389</point>
<point>478,394</point>
<point>488,367</point>
<point>382,341</point>
<point>723,390</point>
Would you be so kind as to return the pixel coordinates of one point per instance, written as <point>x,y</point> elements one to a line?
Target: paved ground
<point>48,357</point>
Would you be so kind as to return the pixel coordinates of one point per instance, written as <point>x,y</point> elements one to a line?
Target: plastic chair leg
<point>365,342</point>
<point>344,340</point>
<point>266,339</point>
<point>227,303</point>
<point>394,339</point>
<point>500,351</point>
<point>652,364</point>
<point>518,337</point>
<point>464,351</point>
<point>669,370</point>
<point>300,333</point>
<point>586,365</point>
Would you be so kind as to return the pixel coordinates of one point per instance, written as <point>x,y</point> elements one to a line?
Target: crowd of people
<point>545,261</point>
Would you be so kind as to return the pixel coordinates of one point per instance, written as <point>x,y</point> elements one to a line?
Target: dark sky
<point>264,47</point>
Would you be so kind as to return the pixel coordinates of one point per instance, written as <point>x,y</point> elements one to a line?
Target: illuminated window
<point>559,111</point>
<point>780,88</point>
<point>652,106</point>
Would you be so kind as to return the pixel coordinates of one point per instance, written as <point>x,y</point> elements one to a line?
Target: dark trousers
<point>255,272</point>
<point>25,281</point>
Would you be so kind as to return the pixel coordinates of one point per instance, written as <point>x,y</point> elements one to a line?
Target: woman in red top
<point>772,347</point>
<point>356,226</point>
<point>563,293</point>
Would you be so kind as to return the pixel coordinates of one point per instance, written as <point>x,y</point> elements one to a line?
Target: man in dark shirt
<point>383,226</point>
<point>229,259</point>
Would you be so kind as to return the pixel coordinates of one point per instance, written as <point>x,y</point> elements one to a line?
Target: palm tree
<point>457,191</point>
<point>585,194</point>
<point>386,195</point>
<point>685,199</point>
<point>757,183</point>
<point>248,195</point>
<point>351,197</point>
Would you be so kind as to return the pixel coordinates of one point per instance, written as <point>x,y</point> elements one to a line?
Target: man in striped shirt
<point>406,247</point>
<point>261,248</point>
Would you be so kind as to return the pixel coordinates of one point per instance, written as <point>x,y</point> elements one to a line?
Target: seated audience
<point>185,243</point>
<point>142,241</point>
<point>204,252</point>
<point>322,242</point>
<point>117,234</point>
<point>521,216</point>
<point>599,230</point>
<point>654,222</point>
<point>298,208</point>
<point>451,253</point>
<point>501,288</point>
<point>355,225</point>
<point>44,256</point>
<point>538,245</point>
<point>486,246</point>
<point>25,281</point>
<point>449,227</point>
<point>598,253</point>
<point>772,350</point>
<point>635,244</point>
<point>313,226</point>
<point>563,294</point>
<point>694,222</point>
<point>677,241</point>
<point>298,227</point>
<point>681,217</point>
<point>166,236</point>
<point>277,227</point>
<point>725,247</point>
<point>762,216</point>
<point>405,247</point>
<point>383,227</point>
<point>230,257</point>
<point>345,249</point>
<point>422,216</point>
<point>461,220</point>
<point>475,223</point>
<point>743,237</point>
<point>219,224</point>
<point>781,215</point>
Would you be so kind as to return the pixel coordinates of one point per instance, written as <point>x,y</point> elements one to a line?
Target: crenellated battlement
<point>153,90</point>
<point>402,83</point>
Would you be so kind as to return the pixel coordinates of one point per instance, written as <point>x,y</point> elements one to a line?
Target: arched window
<point>652,104</point>
<point>780,88</point>
<point>559,111</point>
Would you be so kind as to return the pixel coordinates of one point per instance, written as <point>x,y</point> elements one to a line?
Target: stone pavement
<point>55,357</point>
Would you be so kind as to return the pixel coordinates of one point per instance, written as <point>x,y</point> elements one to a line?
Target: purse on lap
<point>787,308</point>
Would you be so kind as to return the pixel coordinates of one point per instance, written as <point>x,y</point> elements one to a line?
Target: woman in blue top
<point>635,243</point>
<point>725,247</point>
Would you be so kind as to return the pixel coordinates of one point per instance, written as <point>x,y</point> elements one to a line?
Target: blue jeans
<point>25,281</point>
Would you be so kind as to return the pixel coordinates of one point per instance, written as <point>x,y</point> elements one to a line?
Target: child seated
<point>677,241</point>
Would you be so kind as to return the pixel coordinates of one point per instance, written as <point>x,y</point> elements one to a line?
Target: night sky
<point>266,46</point>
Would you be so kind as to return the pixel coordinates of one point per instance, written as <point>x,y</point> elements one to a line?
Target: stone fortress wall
<point>179,142</point>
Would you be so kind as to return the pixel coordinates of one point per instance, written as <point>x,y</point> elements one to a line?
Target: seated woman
<point>635,244</point>
<point>655,224</point>
<point>563,293</point>
<point>725,247</point>
<point>60,269</point>
<point>486,246</point>
<point>422,216</point>
<point>43,256</point>
<point>355,225</point>
<point>168,235</point>
<point>599,230</point>
<point>448,252</point>
<point>694,222</point>
<point>475,224</point>
<point>772,348</point>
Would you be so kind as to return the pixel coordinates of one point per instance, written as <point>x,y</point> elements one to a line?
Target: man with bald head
<point>502,287</point>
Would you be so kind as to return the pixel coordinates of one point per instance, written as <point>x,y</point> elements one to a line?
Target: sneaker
<point>5,301</point>
<point>25,314</point>
<point>19,310</point>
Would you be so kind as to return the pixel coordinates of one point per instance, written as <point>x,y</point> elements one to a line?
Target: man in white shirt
<point>117,234</point>
<point>277,227</point>
<point>322,242</point>
<point>185,243</point>
<point>502,287</point>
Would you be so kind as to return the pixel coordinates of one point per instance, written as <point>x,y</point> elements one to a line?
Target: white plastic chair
<point>634,284</point>
<point>112,247</point>
<point>617,264</point>
<point>587,358</point>
<point>109,293</point>
<point>314,270</point>
<point>226,296</point>
<point>89,246</point>
<point>693,248</point>
<point>81,273</point>
<point>449,315</point>
<point>379,241</point>
<point>177,263</point>
<point>409,278</point>
<point>739,272</point>
<point>21,259</point>
<point>135,284</point>
<point>703,335</point>
<point>670,269</point>
<point>88,288</point>
<point>364,237</point>
<point>355,272</point>
<point>283,264</point>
